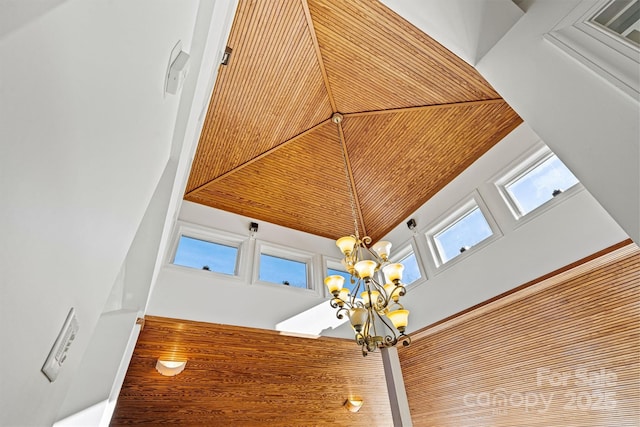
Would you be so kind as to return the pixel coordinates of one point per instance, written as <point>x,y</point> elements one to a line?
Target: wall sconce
<point>353,404</point>
<point>170,368</point>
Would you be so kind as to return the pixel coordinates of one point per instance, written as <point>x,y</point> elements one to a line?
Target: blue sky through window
<point>205,255</point>
<point>536,187</point>
<point>411,271</point>
<point>466,232</point>
<point>280,270</point>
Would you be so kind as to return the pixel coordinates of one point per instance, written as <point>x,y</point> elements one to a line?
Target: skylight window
<point>205,255</point>
<point>461,234</point>
<point>538,184</point>
<point>283,271</point>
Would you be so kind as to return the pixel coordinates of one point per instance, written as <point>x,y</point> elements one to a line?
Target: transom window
<point>537,183</point>
<point>289,267</point>
<point>411,271</point>
<point>206,255</point>
<point>283,271</point>
<point>464,232</point>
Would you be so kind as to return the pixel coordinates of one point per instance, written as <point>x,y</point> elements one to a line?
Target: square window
<point>283,271</point>
<point>461,234</point>
<point>205,255</point>
<point>538,184</point>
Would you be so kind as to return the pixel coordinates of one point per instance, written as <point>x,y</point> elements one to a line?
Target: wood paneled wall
<point>563,351</point>
<point>249,377</point>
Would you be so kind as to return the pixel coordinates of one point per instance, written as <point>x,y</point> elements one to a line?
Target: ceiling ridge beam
<point>351,181</point>
<point>316,45</point>
<point>255,159</point>
<point>425,107</point>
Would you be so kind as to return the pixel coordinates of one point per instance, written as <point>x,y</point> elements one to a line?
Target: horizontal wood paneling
<point>538,343</point>
<point>264,151</point>
<point>248,377</point>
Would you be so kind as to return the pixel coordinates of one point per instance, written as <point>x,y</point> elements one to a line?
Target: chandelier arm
<point>406,339</point>
<point>375,256</point>
<point>390,328</point>
<point>340,314</point>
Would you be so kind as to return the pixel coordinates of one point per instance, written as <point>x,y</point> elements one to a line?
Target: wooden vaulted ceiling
<point>414,116</point>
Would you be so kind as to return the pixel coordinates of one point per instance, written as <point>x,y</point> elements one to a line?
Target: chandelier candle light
<point>379,304</point>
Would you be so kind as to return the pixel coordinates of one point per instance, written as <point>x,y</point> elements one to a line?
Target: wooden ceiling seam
<point>260,156</point>
<point>426,107</point>
<point>316,46</point>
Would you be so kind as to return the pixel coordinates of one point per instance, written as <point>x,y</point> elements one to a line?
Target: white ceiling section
<point>94,159</point>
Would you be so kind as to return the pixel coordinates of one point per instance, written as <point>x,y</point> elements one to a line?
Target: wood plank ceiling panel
<point>289,65</point>
<point>248,377</point>
<point>401,159</point>
<point>375,60</point>
<point>571,340</point>
<point>300,185</point>
<point>271,91</point>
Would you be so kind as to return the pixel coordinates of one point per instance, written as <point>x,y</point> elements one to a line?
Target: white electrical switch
<point>58,353</point>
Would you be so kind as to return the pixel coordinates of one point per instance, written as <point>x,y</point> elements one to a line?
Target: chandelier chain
<point>350,188</point>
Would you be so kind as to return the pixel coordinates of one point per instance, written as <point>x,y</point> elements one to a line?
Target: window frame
<point>600,50</point>
<point>288,253</point>
<point>519,168</point>
<point>453,215</point>
<point>210,235</point>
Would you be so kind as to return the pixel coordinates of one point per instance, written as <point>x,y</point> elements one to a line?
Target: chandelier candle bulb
<point>346,244</point>
<point>366,268</point>
<point>343,296</point>
<point>358,317</point>
<point>392,292</point>
<point>399,318</point>
<point>393,272</point>
<point>382,248</point>
<point>370,301</point>
<point>334,283</point>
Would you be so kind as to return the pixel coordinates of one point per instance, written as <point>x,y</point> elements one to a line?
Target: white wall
<point>592,126</point>
<point>86,133</point>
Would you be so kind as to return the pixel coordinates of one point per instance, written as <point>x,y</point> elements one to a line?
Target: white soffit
<point>468,28</point>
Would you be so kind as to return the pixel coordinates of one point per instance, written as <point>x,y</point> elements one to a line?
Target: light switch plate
<point>60,349</point>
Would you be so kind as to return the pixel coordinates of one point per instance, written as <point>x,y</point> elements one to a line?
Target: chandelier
<point>373,308</point>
